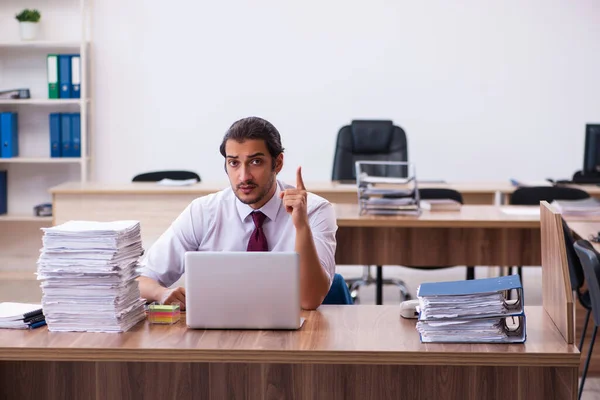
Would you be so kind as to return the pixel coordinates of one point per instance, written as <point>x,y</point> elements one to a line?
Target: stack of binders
<point>65,135</point>
<point>472,311</point>
<point>64,76</point>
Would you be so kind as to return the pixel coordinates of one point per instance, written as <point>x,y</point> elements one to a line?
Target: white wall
<point>485,90</point>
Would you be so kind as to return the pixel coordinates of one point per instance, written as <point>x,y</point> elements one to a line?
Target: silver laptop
<point>242,290</point>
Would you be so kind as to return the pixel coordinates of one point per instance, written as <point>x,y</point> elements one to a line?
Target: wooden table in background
<point>475,235</point>
<point>473,192</point>
<point>341,352</point>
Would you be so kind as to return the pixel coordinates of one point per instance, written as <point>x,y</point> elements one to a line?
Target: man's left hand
<point>294,201</point>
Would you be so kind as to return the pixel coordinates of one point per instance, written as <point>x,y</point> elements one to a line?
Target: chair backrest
<point>532,196</point>
<point>369,140</point>
<point>156,176</point>
<point>591,269</point>
<point>440,193</point>
<point>339,292</point>
<point>575,269</point>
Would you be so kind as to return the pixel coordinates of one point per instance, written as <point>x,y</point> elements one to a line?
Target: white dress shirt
<point>220,222</point>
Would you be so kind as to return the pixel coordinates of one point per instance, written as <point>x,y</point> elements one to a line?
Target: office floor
<point>27,290</point>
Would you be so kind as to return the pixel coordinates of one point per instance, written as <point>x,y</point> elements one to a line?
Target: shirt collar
<point>270,209</point>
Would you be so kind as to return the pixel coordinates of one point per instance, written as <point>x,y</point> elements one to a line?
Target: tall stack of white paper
<point>87,272</point>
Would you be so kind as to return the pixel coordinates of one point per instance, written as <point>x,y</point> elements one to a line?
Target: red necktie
<point>258,240</point>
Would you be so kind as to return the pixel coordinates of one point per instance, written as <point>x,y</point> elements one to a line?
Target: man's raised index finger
<point>299,181</point>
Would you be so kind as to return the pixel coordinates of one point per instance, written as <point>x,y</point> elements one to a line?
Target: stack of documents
<point>589,206</point>
<point>20,315</point>
<point>472,311</point>
<point>88,272</point>
<point>440,205</point>
<point>388,196</point>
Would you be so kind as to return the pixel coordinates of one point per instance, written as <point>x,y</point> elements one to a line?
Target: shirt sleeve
<point>164,261</point>
<point>323,225</point>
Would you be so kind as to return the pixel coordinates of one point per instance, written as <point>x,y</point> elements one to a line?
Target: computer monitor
<point>591,157</point>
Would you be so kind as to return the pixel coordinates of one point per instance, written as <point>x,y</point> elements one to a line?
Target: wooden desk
<point>342,352</point>
<point>473,192</point>
<point>476,235</point>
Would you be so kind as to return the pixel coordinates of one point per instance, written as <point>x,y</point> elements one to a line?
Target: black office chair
<point>532,196</point>
<point>590,262</point>
<point>438,193</point>
<point>576,277</point>
<point>369,140</point>
<point>160,175</point>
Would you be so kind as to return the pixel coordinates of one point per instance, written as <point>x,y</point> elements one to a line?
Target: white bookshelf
<point>42,102</point>
<point>65,28</point>
<point>41,44</point>
<point>42,160</point>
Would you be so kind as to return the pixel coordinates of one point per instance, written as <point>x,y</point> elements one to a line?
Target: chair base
<point>368,279</point>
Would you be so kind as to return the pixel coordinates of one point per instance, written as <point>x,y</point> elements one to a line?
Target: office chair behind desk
<point>156,176</point>
<point>369,140</point>
<point>576,276</point>
<point>590,262</point>
<point>532,196</point>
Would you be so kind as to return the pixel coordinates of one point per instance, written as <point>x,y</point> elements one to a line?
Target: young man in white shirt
<point>257,213</point>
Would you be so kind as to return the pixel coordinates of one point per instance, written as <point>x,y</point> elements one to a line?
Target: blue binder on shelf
<point>9,135</point>
<point>75,76</point>
<point>75,135</point>
<point>65,135</point>
<point>55,136</point>
<point>472,311</point>
<point>64,76</point>
<point>3,192</point>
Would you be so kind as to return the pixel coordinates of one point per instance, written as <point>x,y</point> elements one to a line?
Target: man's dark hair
<point>254,128</point>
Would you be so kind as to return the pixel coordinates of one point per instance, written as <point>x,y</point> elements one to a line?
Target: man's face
<point>250,169</point>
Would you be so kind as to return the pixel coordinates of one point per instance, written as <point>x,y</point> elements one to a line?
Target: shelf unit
<point>42,44</point>
<point>23,64</point>
<point>42,160</point>
<point>43,102</point>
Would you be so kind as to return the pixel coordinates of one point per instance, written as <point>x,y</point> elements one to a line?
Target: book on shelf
<point>52,71</point>
<point>9,135</point>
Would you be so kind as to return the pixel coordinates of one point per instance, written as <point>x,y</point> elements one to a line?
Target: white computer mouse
<point>408,309</point>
